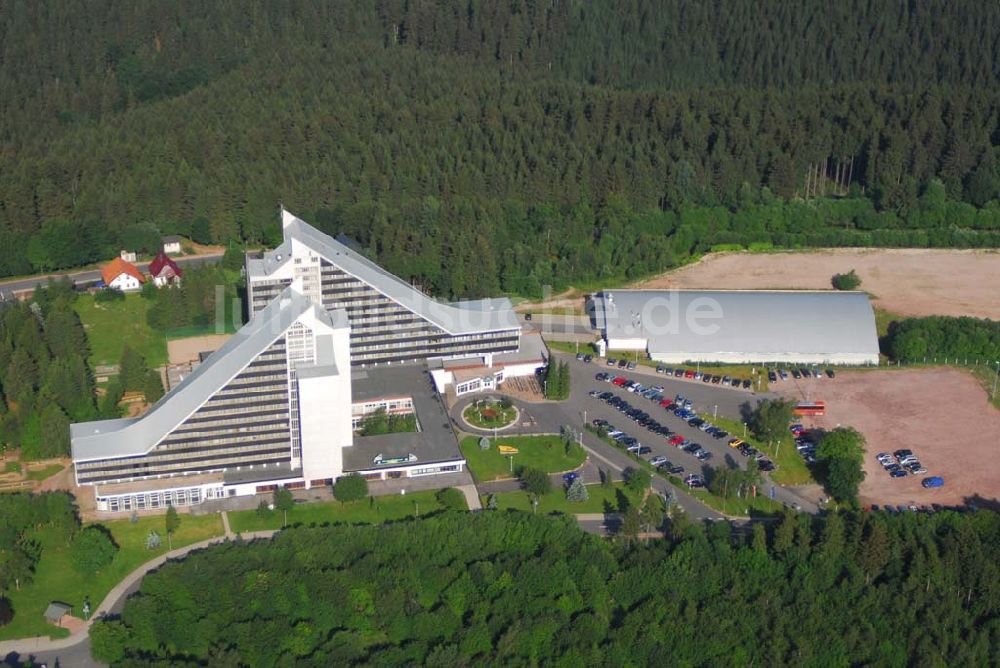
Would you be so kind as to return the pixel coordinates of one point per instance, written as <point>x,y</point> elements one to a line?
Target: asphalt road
<point>83,278</point>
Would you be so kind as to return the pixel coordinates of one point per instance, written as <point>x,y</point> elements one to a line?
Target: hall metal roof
<point>733,321</point>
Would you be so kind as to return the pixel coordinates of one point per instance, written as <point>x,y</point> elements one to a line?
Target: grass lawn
<point>488,417</point>
<point>601,499</point>
<point>792,469</point>
<point>55,579</point>
<point>883,319</point>
<point>541,452</point>
<point>109,325</point>
<point>735,506</point>
<point>43,473</point>
<point>371,510</point>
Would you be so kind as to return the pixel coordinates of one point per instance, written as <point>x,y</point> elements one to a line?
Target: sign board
<point>404,459</point>
<point>507,450</point>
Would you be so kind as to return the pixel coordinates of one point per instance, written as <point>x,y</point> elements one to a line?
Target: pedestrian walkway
<point>471,497</point>
<point>225,524</point>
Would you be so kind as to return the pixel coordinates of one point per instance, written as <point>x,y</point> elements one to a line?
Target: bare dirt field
<point>942,414</point>
<point>912,282</point>
<point>184,350</point>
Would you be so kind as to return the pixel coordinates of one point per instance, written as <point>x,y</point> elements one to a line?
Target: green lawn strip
<point>504,416</point>
<point>792,469</point>
<point>109,325</point>
<point>572,348</point>
<point>600,499</point>
<point>751,372</point>
<point>56,580</point>
<point>546,452</point>
<point>734,507</point>
<point>371,510</point>
<point>883,319</point>
<point>42,474</point>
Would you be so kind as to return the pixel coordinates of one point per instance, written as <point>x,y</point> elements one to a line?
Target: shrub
<point>848,281</point>
<point>636,479</point>
<point>6,611</point>
<point>349,488</point>
<point>451,499</point>
<point>92,550</point>
<point>577,491</point>
<point>535,481</point>
<point>109,295</point>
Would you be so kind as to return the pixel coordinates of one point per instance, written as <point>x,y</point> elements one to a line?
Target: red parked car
<point>620,380</point>
<point>689,373</point>
<point>677,439</point>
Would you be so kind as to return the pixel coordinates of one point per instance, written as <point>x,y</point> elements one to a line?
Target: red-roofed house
<point>122,275</point>
<point>164,270</point>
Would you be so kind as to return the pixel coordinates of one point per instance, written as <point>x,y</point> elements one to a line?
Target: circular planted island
<point>491,413</point>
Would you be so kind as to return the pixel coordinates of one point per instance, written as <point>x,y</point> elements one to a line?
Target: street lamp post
<point>993,394</point>
<point>744,430</point>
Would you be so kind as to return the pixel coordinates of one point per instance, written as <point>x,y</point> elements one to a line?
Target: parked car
<point>643,450</point>
<point>694,481</point>
<point>579,357</point>
<point>716,379</point>
<point>783,374</point>
<point>831,373</point>
<point>588,358</point>
<point>899,473</point>
<point>568,478</point>
<point>706,378</point>
<point>660,368</point>
<point>746,384</point>
<point>678,373</point>
<point>772,376</point>
<point>689,373</point>
<point>795,374</point>
<point>658,460</point>
<point>631,365</point>
<point>765,465</point>
<point>933,481</point>
<point>725,380</point>
<point>612,361</point>
<point>735,442</point>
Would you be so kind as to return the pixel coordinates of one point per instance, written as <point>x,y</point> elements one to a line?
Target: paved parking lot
<point>722,454</point>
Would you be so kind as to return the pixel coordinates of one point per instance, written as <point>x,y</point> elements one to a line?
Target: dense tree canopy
<point>939,337</point>
<point>478,147</point>
<point>517,589</point>
<point>44,378</point>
